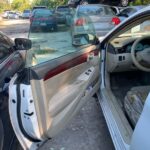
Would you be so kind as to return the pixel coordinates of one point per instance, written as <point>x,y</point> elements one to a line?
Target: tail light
<point>115,21</point>
<point>80,22</point>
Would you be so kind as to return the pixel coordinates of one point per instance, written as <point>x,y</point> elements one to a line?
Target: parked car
<point>43,20</point>
<point>36,8</point>
<point>11,15</point>
<point>61,12</point>
<point>121,3</point>
<point>128,11</point>
<point>39,7</point>
<point>100,16</point>
<point>26,14</point>
<point>11,61</point>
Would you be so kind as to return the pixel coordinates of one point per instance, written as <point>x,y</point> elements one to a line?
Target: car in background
<point>100,16</point>
<point>128,11</point>
<point>36,8</point>
<point>11,15</point>
<point>61,12</point>
<point>43,19</point>
<point>26,14</point>
<point>39,7</point>
<point>120,3</point>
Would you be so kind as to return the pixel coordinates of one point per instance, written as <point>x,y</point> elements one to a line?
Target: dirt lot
<point>88,130</point>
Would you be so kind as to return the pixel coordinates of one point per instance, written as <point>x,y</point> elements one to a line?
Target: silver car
<point>100,16</point>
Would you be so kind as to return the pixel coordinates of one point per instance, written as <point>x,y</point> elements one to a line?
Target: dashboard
<point>124,45</point>
<point>119,53</point>
<point>140,46</point>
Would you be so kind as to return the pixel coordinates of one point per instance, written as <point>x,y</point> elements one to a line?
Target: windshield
<point>26,11</point>
<point>138,30</point>
<point>54,36</point>
<point>95,10</point>
<point>62,9</point>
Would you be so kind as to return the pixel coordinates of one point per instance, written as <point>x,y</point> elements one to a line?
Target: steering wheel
<point>141,55</point>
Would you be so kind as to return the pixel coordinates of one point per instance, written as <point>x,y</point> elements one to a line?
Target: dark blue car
<point>43,19</point>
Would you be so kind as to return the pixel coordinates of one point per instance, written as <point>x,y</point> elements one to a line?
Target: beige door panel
<point>69,105</point>
<point>63,95</point>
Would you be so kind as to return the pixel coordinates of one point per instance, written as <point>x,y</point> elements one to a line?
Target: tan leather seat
<point>134,102</point>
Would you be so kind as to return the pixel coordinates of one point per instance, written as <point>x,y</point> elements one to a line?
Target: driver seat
<point>134,102</point>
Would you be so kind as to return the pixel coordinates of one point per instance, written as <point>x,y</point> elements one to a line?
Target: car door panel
<point>51,93</point>
<point>63,86</point>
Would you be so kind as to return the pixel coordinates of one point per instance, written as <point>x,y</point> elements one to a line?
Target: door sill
<point>117,123</point>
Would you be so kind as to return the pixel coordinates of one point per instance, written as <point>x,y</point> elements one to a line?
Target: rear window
<point>95,10</point>
<point>26,11</point>
<point>43,13</point>
<point>39,7</point>
<point>62,9</point>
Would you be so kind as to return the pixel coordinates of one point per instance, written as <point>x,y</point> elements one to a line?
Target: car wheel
<point>9,140</point>
<point>124,3</point>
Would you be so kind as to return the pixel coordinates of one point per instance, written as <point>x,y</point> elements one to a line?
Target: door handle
<point>90,56</point>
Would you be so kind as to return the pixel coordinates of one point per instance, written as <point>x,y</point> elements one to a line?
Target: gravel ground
<point>88,130</point>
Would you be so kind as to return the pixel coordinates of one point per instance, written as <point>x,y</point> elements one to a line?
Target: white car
<point>128,11</point>
<point>10,15</point>
<point>57,81</point>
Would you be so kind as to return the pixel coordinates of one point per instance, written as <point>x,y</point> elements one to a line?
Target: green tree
<point>4,4</point>
<point>49,3</point>
<point>20,5</point>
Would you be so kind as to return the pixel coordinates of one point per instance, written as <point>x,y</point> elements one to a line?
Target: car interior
<point>127,67</point>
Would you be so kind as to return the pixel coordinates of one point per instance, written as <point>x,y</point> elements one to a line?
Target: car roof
<point>63,6</point>
<point>93,5</point>
<point>39,7</point>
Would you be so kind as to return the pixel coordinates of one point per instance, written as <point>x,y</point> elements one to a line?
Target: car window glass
<point>5,48</point>
<point>62,9</point>
<point>92,10</point>
<point>114,10</point>
<point>109,11</point>
<point>26,11</point>
<point>141,29</point>
<point>54,36</point>
<point>126,11</point>
<point>131,11</point>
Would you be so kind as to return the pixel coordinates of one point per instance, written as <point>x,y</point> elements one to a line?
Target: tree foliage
<point>20,5</point>
<point>4,4</point>
<point>26,4</point>
<point>49,3</point>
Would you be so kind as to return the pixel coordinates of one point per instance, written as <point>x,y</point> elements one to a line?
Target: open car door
<point>56,82</point>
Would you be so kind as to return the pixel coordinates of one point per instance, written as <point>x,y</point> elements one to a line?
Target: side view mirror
<point>23,44</point>
<point>85,39</point>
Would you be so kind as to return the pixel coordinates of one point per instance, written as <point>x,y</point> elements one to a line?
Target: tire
<point>10,141</point>
<point>124,3</point>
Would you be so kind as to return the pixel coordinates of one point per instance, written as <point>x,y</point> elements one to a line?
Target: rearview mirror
<point>85,39</point>
<point>23,44</point>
